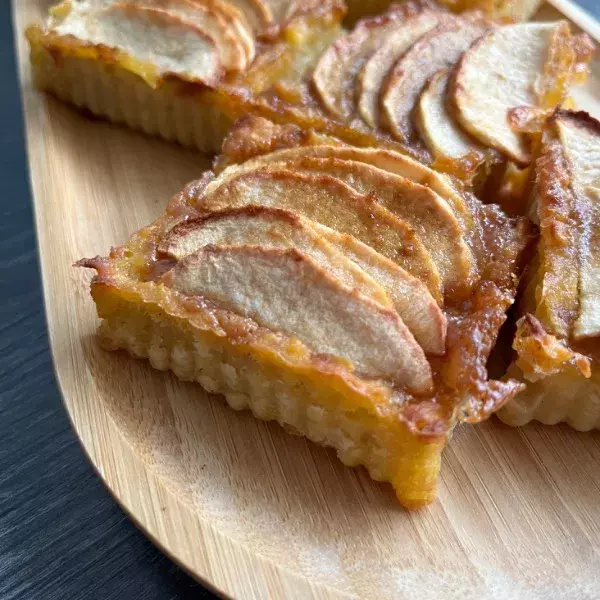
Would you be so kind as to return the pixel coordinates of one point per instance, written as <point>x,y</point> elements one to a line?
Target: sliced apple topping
<point>410,297</point>
<point>375,70</point>
<point>285,290</point>
<point>500,73</point>
<point>439,49</point>
<point>419,206</point>
<point>352,262</point>
<point>440,132</point>
<point>256,12</point>
<point>579,135</point>
<point>335,74</point>
<point>554,289</point>
<point>330,202</point>
<point>150,36</point>
<point>588,322</point>
<point>387,160</point>
<point>269,228</point>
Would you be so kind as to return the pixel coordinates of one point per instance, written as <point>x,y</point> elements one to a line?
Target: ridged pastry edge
<point>566,397</point>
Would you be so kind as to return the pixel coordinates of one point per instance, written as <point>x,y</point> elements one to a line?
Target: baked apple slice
<point>256,12</point>
<point>439,49</point>
<point>386,160</point>
<point>410,297</point>
<point>510,69</point>
<point>335,74</point>
<point>436,126</point>
<point>426,212</point>
<point>150,35</point>
<point>373,74</point>
<point>355,264</point>
<point>579,135</point>
<point>234,41</point>
<point>269,228</point>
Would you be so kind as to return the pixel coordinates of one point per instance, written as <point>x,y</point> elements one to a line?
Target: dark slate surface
<point>62,537</point>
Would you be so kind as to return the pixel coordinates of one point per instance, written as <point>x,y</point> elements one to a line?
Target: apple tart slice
<point>557,341</point>
<point>459,91</point>
<point>302,284</point>
<point>178,69</point>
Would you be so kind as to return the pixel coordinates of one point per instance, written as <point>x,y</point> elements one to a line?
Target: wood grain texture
<point>244,506</point>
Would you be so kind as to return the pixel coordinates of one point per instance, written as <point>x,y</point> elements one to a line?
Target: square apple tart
<point>557,339</point>
<point>351,294</point>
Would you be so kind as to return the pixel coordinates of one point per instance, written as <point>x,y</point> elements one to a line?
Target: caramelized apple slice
<point>373,74</point>
<point>377,277</point>
<point>284,290</point>
<point>579,135</point>
<point>439,49</point>
<point>499,73</point>
<point>148,35</point>
<point>410,297</point>
<point>588,323</point>
<point>440,132</point>
<point>334,204</point>
<point>238,23</point>
<point>269,228</point>
<point>210,17</point>
<point>420,207</point>
<point>386,160</point>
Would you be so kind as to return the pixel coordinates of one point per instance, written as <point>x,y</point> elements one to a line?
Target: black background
<point>61,535</point>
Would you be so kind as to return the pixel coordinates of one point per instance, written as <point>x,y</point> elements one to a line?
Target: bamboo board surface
<point>250,510</point>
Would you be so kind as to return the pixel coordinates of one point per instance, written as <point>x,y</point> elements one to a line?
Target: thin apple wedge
<point>149,35</point>
<point>488,90</point>
<point>335,74</point>
<point>426,212</point>
<point>436,126</point>
<point>375,70</point>
<point>410,297</point>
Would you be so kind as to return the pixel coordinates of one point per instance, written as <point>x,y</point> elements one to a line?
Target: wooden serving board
<point>248,509</point>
